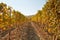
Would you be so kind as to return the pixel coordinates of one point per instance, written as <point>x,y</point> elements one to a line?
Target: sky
<point>26,7</point>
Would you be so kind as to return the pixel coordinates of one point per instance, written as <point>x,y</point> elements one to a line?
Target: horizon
<point>26,7</point>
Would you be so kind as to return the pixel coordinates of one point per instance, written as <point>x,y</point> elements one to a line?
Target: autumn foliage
<point>50,17</point>
<point>9,17</point>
